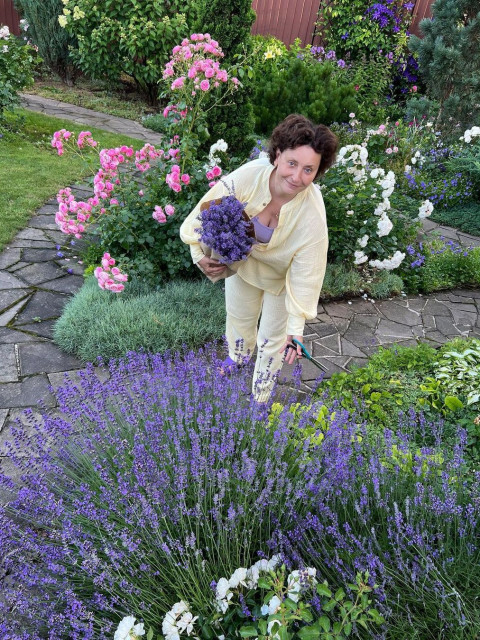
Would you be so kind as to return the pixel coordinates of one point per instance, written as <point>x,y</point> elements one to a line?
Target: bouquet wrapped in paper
<point>226,234</point>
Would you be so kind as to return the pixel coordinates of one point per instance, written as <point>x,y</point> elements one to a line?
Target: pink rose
<point>169,210</point>
<point>216,171</point>
<point>185,178</point>
<point>204,85</point>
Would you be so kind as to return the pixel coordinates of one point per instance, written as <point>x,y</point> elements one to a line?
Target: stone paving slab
<point>29,392</point>
<point>44,357</point>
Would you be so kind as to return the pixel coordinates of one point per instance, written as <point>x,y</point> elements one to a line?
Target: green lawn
<point>31,172</point>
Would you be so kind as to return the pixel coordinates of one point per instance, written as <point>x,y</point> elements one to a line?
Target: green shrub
<point>464,217</point>
<point>45,32</point>
<point>449,63</point>
<point>359,27</point>
<point>17,60</point>
<point>131,37</point>
<point>284,85</point>
<point>343,281</point>
<point>230,24</point>
<point>97,323</point>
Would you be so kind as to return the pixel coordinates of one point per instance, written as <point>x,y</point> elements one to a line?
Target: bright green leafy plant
<point>131,37</point>
<point>17,61</point>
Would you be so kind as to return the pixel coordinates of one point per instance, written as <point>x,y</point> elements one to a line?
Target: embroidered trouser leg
<point>244,304</point>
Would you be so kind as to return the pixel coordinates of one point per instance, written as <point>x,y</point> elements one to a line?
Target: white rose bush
<point>367,226</point>
<point>268,603</point>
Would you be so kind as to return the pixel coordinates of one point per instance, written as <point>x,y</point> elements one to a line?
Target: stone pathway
<point>36,281</point>
<point>89,118</point>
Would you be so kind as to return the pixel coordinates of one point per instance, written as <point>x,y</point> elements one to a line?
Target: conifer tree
<point>449,62</point>
<point>230,23</point>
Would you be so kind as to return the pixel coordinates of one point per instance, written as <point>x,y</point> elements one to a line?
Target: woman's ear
<point>275,162</point>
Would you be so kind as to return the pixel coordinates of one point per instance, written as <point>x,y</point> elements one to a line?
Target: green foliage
<point>342,281</point>
<point>459,372</point>
<point>230,23</point>
<point>351,28</point>
<point>318,90</point>
<point>45,32</point>
<point>134,37</point>
<point>17,61</point>
<point>449,269</point>
<point>294,618</point>
<point>464,217</point>
<point>371,78</point>
<point>96,323</point>
<point>449,63</point>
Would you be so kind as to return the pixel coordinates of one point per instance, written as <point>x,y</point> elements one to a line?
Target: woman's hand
<point>292,352</point>
<point>211,267</point>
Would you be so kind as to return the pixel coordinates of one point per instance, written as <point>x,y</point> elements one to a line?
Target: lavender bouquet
<point>226,233</point>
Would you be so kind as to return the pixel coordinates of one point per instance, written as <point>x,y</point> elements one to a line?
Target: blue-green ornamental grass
<point>149,486</point>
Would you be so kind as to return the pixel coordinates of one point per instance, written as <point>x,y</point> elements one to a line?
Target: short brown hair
<point>297,130</point>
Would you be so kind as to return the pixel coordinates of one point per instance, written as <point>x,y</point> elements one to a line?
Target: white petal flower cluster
<point>4,33</point>
<point>358,155</point>
<point>360,257</point>
<point>213,158</point>
<point>245,577</point>
<point>178,620</point>
<point>425,209</point>
<point>417,157</point>
<point>128,630</point>
<point>363,241</point>
<point>470,133</point>
<point>384,226</point>
<point>389,263</point>
<point>297,581</point>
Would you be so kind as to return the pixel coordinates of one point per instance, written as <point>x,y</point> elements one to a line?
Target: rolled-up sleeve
<point>304,283</point>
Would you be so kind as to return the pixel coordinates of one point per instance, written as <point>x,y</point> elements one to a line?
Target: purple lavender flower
<point>226,229</point>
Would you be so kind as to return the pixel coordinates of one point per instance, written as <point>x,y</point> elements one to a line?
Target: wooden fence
<point>284,19</point>
<point>9,16</point>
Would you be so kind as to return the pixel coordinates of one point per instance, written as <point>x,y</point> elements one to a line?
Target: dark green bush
<point>98,323</point>
<point>465,217</point>
<point>287,85</point>
<point>45,32</point>
<point>230,24</point>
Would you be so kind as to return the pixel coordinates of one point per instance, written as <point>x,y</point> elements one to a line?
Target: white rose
<point>222,588</point>
<point>274,605</point>
<point>124,628</point>
<point>363,241</point>
<point>237,577</point>
<point>360,257</point>
<point>384,226</point>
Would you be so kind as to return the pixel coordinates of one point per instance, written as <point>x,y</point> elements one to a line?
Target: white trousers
<point>244,304</point>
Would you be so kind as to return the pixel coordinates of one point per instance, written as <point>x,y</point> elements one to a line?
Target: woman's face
<point>296,170</point>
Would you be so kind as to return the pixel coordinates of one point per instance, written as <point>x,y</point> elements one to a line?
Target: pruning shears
<point>306,354</point>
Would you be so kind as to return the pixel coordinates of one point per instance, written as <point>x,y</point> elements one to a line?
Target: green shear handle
<point>307,354</point>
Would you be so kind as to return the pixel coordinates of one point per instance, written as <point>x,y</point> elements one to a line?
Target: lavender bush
<point>149,486</point>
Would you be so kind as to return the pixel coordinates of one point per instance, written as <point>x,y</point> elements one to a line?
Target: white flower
<point>179,608</point>
<point>222,588</point>
<point>128,630</point>
<point>360,257</point>
<point>389,263</point>
<point>408,168</point>
<point>384,226</point>
<point>425,209</point>
<point>273,562</point>
<point>350,212</point>
<point>351,115</point>
<point>429,124</point>
<point>363,241</point>
<point>238,577</point>
<point>264,609</point>
<point>349,196</point>
<point>4,33</point>
<point>185,624</point>
<point>417,154</point>
<point>363,155</point>
<point>5,48</point>
<point>274,605</point>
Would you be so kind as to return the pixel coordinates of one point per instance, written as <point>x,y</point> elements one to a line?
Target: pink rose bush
<point>110,277</point>
<point>140,197</point>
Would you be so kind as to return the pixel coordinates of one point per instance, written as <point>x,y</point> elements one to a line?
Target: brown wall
<point>9,16</point>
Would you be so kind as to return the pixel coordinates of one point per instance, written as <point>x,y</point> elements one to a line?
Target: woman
<point>282,277</point>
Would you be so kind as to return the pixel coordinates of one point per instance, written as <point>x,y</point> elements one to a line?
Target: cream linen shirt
<point>296,256</point>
